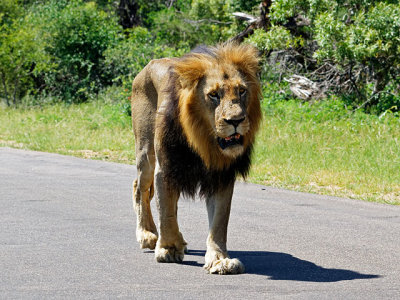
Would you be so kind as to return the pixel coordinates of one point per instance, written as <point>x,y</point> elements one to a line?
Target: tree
<point>128,13</point>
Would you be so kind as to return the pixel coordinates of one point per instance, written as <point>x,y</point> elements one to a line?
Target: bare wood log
<point>304,88</point>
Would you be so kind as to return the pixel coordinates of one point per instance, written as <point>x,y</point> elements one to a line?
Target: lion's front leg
<point>170,246</point>
<point>217,259</point>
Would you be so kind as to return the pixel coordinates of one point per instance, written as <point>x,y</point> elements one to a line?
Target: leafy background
<point>74,49</point>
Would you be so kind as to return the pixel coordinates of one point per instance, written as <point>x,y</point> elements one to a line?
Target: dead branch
<point>253,22</point>
<point>195,22</point>
<point>304,88</point>
<point>245,17</point>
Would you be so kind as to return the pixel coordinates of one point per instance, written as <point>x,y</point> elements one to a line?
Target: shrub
<point>277,37</point>
<point>127,58</point>
<point>80,33</point>
<point>356,39</point>
<point>22,53</point>
<point>370,40</point>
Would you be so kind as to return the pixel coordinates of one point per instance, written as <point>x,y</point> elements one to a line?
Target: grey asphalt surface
<point>68,231</point>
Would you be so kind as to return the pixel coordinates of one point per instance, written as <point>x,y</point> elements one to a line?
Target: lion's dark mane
<point>183,169</point>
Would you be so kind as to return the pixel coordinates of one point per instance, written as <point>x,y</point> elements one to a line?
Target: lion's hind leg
<point>143,190</point>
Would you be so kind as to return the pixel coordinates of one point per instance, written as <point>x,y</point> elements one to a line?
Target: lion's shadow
<point>283,266</point>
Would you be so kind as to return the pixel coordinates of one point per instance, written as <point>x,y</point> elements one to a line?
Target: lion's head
<point>219,101</point>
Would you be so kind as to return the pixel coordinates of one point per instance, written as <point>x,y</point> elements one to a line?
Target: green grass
<point>91,130</point>
<point>326,149</point>
<point>321,148</point>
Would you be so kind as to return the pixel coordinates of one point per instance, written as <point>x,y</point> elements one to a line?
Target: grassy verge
<point>326,149</point>
<point>91,130</point>
<point>320,148</point>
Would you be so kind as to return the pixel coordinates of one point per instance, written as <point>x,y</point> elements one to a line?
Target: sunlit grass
<point>321,148</point>
<point>91,130</point>
<point>325,149</point>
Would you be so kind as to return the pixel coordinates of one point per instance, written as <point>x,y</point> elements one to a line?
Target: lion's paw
<point>146,239</point>
<point>169,254</point>
<point>225,266</point>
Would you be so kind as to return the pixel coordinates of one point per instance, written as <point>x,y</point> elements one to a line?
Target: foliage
<point>80,34</point>
<point>206,22</point>
<point>9,11</point>
<point>282,10</point>
<point>83,49</point>
<point>172,28</point>
<point>56,48</point>
<point>214,20</point>
<point>73,49</point>
<point>127,58</point>
<point>372,39</point>
<point>22,54</point>
<point>246,5</point>
<point>359,38</point>
<point>277,37</point>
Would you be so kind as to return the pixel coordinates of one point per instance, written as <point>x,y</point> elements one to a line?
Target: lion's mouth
<point>234,139</point>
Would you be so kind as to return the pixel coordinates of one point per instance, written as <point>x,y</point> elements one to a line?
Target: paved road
<point>67,231</point>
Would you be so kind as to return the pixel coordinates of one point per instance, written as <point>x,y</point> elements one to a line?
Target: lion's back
<point>151,80</point>
<point>147,89</point>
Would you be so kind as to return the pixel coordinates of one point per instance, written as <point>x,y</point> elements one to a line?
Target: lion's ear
<point>244,56</point>
<point>191,69</point>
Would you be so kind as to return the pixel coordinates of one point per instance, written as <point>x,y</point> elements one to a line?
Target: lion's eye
<point>242,91</point>
<point>214,96</point>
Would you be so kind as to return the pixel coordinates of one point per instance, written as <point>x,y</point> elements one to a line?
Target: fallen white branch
<point>304,88</point>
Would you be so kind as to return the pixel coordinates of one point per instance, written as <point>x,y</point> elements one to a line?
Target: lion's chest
<point>185,171</point>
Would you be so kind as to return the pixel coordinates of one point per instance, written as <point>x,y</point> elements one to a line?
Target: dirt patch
<point>13,144</point>
<point>106,154</point>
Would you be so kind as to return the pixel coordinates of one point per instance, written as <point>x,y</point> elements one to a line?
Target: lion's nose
<point>235,123</point>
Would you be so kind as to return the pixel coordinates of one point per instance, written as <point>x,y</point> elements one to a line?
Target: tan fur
<point>232,70</point>
<point>200,132</point>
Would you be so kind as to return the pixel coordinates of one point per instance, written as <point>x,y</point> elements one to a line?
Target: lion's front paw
<point>147,239</point>
<point>225,266</point>
<point>169,254</point>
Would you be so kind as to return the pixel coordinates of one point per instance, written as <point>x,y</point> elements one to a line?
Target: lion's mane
<point>193,160</point>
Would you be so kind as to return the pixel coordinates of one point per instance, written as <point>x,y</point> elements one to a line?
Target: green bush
<point>372,39</point>
<point>80,34</point>
<point>23,52</point>
<point>197,22</point>
<point>73,49</point>
<point>10,10</point>
<point>127,58</point>
<point>277,37</point>
<point>172,28</point>
<point>358,38</point>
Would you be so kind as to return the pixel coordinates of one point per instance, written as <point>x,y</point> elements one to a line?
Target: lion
<point>194,120</point>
